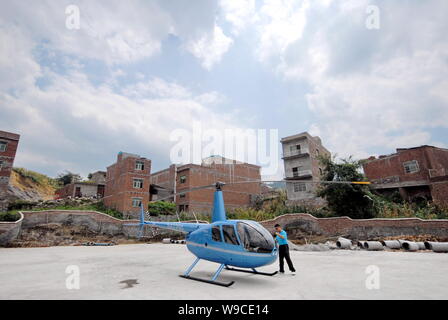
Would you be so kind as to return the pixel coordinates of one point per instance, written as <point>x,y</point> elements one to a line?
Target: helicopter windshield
<point>255,238</point>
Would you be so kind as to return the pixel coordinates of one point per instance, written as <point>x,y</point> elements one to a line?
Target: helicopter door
<point>230,235</point>
<point>254,238</point>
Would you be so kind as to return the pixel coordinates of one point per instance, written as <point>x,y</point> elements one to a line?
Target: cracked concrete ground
<point>150,271</point>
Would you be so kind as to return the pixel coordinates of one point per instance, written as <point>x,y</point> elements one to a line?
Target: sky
<point>135,71</point>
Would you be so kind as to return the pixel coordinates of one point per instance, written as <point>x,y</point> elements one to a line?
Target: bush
<point>161,208</point>
<point>9,216</point>
<point>21,205</point>
<point>100,207</point>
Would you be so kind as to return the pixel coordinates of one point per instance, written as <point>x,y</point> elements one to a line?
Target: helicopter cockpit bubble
<point>255,238</point>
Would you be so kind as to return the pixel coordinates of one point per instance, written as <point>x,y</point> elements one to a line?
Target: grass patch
<point>37,178</point>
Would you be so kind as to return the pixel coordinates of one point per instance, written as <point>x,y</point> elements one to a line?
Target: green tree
<point>349,200</point>
<point>68,177</point>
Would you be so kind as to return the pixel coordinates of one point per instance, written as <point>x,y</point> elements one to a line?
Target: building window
<point>138,183</point>
<point>183,179</point>
<point>136,202</point>
<point>299,187</point>
<point>139,165</point>
<point>317,152</point>
<point>295,149</point>
<point>1,164</point>
<point>320,171</point>
<point>182,195</point>
<point>411,166</point>
<point>3,146</point>
<point>295,171</point>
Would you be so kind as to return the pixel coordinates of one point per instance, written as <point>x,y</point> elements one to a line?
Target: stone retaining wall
<point>297,225</point>
<point>305,224</point>
<point>10,230</point>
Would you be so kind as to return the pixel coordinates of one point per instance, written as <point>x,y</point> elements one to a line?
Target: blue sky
<point>137,70</point>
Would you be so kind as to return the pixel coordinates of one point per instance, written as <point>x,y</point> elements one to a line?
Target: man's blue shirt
<point>280,240</point>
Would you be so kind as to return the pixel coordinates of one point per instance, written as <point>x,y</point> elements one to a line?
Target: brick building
<point>128,184</point>
<point>95,187</point>
<point>8,148</point>
<point>212,169</point>
<point>300,158</point>
<point>419,173</point>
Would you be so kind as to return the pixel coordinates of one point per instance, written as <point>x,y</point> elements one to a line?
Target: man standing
<point>283,249</point>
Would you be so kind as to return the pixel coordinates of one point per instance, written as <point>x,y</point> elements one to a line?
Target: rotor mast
<point>219,211</point>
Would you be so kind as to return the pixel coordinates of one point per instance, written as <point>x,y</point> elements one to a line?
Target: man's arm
<point>280,235</point>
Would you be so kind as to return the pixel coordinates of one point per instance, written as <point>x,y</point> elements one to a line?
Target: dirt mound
<point>30,186</point>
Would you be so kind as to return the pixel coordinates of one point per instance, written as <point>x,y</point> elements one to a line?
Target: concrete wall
<point>305,224</point>
<point>10,230</point>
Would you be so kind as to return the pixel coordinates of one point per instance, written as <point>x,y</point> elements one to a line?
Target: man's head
<point>277,228</point>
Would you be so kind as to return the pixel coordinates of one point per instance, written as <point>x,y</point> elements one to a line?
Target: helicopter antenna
<point>195,217</point>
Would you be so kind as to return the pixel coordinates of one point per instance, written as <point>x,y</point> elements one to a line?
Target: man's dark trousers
<point>283,253</point>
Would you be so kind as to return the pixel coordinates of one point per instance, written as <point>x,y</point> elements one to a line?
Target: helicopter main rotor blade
<point>298,180</point>
<point>261,181</point>
<point>186,191</point>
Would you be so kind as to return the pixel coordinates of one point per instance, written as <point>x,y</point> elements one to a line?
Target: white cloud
<point>210,47</point>
<point>281,23</point>
<point>15,47</point>
<point>119,32</point>
<point>239,13</point>
<point>369,90</point>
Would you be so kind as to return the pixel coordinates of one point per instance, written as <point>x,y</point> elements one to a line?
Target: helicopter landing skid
<point>186,275</point>
<point>222,284</point>
<point>254,271</point>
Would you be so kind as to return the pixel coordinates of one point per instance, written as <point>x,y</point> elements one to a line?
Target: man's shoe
<point>293,273</point>
<point>281,272</point>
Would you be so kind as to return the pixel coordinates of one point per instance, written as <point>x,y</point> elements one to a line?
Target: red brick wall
<point>119,189</point>
<point>237,195</point>
<point>439,192</point>
<point>393,166</point>
<point>7,162</point>
<point>66,191</point>
<point>8,155</point>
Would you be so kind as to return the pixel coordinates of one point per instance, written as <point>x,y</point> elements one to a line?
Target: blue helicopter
<point>230,243</point>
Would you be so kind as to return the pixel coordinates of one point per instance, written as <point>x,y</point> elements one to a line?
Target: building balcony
<point>299,174</point>
<point>296,154</point>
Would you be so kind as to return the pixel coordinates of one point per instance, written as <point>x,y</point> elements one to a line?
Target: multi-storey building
<point>301,160</point>
<point>128,184</point>
<point>8,148</point>
<point>213,169</point>
<point>419,173</point>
